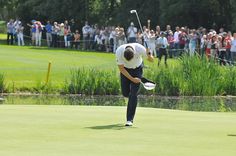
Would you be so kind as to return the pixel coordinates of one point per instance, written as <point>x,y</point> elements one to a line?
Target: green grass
<point>27,66</point>
<point>3,36</point>
<point>83,130</point>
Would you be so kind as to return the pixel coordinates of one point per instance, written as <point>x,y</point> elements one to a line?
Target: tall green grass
<point>91,81</point>
<point>2,83</point>
<point>195,76</point>
<point>192,76</point>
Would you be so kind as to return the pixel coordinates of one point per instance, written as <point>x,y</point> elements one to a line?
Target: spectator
<point>192,42</point>
<point>228,40</point>
<point>48,28</point>
<point>182,40</point>
<point>176,40</point>
<point>85,31</point>
<point>162,44</point>
<point>203,45</point>
<point>67,33</point>
<point>222,50</point>
<point>121,37</point>
<point>76,41</point>
<point>152,42</point>
<point>10,31</point>
<point>214,47</point>
<point>20,36</point>
<point>33,31</point>
<point>171,43</point>
<point>55,30</point>
<point>38,33</point>
<point>233,49</point>
<point>132,33</point>
<point>112,39</point>
<point>61,35</point>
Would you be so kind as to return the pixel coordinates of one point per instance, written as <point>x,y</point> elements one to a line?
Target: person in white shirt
<point>162,44</point>
<point>132,33</point>
<point>20,36</point>
<point>129,59</point>
<point>233,49</point>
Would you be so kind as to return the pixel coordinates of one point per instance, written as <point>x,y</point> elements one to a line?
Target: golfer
<point>129,59</point>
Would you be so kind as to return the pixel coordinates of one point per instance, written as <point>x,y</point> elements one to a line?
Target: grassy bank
<point>25,68</point>
<point>80,130</point>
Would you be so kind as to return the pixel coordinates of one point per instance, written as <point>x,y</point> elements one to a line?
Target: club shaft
<point>141,28</point>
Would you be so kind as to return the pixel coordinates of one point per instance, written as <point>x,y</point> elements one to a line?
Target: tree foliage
<point>194,13</point>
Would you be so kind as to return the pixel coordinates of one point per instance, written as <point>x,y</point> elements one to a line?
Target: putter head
<point>148,84</point>
<point>133,11</point>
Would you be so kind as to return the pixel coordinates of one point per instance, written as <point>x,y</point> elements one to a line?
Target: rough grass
<point>81,130</point>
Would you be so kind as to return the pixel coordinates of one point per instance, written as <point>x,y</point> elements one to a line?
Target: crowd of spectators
<point>219,45</point>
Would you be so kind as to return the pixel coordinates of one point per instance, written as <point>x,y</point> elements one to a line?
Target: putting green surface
<point>98,131</point>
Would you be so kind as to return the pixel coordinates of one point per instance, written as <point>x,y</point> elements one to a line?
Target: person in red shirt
<point>227,41</point>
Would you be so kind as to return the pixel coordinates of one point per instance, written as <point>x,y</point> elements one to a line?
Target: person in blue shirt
<point>48,28</point>
<point>10,32</point>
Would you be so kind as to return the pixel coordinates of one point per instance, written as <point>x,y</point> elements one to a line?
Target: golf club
<point>147,84</point>
<point>141,28</point>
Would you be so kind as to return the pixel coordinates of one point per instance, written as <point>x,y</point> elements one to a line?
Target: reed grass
<point>2,83</point>
<point>91,81</point>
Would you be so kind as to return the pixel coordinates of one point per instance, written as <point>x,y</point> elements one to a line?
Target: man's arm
<point>126,74</point>
<point>149,55</point>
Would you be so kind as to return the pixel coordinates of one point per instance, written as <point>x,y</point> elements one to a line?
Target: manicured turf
<point>99,131</point>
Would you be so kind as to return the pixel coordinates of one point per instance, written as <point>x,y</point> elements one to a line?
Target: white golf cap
<point>132,23</point>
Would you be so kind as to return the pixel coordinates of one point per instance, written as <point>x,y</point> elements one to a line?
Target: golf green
<point>98,131</point>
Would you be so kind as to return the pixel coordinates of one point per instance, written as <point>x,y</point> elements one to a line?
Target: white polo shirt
<point>139,52</point>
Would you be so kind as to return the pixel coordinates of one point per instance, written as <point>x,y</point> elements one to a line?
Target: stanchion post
<point>48,73</point>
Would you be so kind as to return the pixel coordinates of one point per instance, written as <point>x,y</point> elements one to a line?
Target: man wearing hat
<point>129,59</point>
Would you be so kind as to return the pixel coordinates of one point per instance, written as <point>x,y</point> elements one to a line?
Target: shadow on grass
<point>232,135</point>
<point>111,127</point>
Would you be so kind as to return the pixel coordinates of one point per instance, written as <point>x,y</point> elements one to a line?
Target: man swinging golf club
<point>129,59</point>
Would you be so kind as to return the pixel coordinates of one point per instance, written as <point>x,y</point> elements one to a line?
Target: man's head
<point>129,53</point>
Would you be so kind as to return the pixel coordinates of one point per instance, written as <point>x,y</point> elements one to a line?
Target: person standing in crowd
<point>48,28</point>
<point>129,59</point>
<point>233,49</point>
<point>38,33</point>
<point>85,31</point>
<point>192,42</point>
<point>10,31</point>
<point>67,33</point>
<point>132,33</point>
<point>152,42</point>
<point>228,40</point>
<point>183,37</point>
<point>55,31</point>
<point>61,35</point>
<point>214,47</point>
<point>162,45</point>
<point>176,40</point>
<point>33,31</point>
<point>76,41</point>
<point>112,39</point>
<point>20,35</point>
<point>171,43</point>
<point>121,37</point>
<point>222,49</point>
<point>203,45</point>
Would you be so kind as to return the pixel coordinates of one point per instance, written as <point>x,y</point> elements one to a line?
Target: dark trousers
<point>10,38</point>
<point>130,90</point>
<point>162,52</point>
